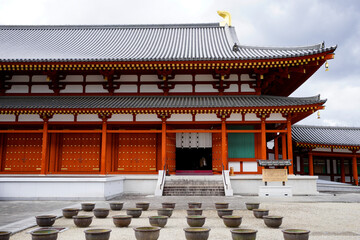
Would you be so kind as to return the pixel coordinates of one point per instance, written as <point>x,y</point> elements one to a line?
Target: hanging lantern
<point>326,66</point>
<point>318,114</point>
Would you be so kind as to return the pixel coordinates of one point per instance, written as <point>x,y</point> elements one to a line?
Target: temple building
<point>137,99</point>
<point>328,152</point>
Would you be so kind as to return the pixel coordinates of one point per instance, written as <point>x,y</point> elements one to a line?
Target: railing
<point>223,174</point>
<point>163,177</point>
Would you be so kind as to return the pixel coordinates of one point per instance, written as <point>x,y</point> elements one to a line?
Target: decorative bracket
<point>109,77</point>
<point>55,78</point>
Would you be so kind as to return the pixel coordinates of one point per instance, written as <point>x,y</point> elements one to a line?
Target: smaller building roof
<point>326,136</point>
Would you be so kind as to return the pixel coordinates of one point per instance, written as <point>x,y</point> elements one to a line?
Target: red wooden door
<point>80,152</point>
<point>171,151</point>
<point>23,153</point>
<point>216,152</point>
<point>137,152</point>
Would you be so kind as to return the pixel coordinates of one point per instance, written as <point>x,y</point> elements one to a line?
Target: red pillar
<point>311,163</point>
<point>355,170</point>
<point>224,159</point>
<point>263,139</point>
<point>342,165</point>
<point>283,145</point>
<point>103,147</point>
<point>276,145</point>
<point>44,163</point>
<point>290,151</point>
<point>163,144</point>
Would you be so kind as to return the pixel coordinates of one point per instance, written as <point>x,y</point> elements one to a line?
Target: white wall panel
<point>150,88</point>
<point>72,89</point>
<point>183,78</point>
<point>95,89</point>
<point>180,117</point>
<point>205,88</point>
<point>121,118</point>
<point>204,77</point>
<point>95,78</point>
<point>147,117</point>
<point>126,89</point>
<point>62,118</point>
<point>150,78</point>
<point>18,89</point>
<point>19,78</point>
<point>322,150</point>
<point>232,88</point>
<point>88,118</point>
<point>29,118</point>
<point>128,78</point>
<point>206,117</point>
<point>235,166</point>
<point>41,89</point>
<point>7,118</point>
<point>39,78</point>
<point>182,88</point>
<point>342,150</point>
<point>250,166</point>
<point>246,77</point>
<point>232,77</point>
<point>73,78</point>
<point>246,88</point>
<point>235,117</point>
<point>276,117</point>
<point>251,117</point>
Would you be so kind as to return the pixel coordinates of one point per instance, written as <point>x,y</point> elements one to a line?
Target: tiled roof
<point>189,42</point>
<point>157,102</point>
<point>339,136</point>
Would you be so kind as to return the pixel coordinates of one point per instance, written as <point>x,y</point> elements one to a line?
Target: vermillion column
<point>283,146</point>
<point>355,169</point>
<point>103,147</point>
<point>163,144</point>
<point>276,144</point>
<point>290,151</point>
<point>342,166</point>
<point>263,139</point>
<point>44,163</point>
<point>224,159</point>
<point>311,163</point>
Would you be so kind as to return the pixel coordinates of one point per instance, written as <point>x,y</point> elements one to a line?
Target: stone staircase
<point>194,186</point>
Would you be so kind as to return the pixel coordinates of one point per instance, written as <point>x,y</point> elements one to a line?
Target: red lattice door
<point>80,152</point>
<point>216,152</point>
<point>23,153</point>
<point>137,152</point>
<point>171,151</point>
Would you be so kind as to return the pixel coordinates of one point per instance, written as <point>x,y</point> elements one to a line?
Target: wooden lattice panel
<point>137,152</point>
<point>171,151</point>
<point>216,152</point>
<point>80,152</point>
<point>23,153</point>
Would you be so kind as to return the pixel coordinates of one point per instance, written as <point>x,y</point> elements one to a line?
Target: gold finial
<point>318,114</point>
<point>326,66</point>
<point>226,16</point>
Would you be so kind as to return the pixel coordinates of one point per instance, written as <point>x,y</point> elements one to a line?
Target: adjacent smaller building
<point>329,152</point>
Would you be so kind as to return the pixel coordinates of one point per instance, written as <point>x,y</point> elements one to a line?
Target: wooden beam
<point>224,159</point>
<point>263,139</point>
<point>355,169</point>
<point>243,131</point>
<point>290,150</point>
<point>283,146</point>
<point>276,146</point>
<point>163,144</point>
<point>44,163</point>
<point>75,131</point>
<point>103,148</point>
<point>193,131</point>
<point>311,163</point>
<point>134,131</point>
<point>22,131</point>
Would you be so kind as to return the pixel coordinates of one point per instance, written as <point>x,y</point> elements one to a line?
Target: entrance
<point>193,153</point>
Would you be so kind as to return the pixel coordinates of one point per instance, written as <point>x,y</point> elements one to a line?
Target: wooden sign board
<point>274,175</point>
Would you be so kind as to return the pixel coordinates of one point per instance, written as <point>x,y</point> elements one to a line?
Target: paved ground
<point>316,213</point>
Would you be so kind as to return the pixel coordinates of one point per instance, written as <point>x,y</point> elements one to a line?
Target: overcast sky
<point>257,22</point>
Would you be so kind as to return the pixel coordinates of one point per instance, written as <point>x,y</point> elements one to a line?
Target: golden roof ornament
<point>226,16</point>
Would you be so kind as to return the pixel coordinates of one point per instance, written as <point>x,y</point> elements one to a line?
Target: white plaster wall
<point>183,78</point>
<point>121,118</point>
<point>180,117</point>
<point>232,77</point>
<point>246,88</point>
<point>126,89</point>
<point>73,78</point>
<point>128,78</point>
<point>250,167</point>
<point>182,88</point>
<point>7,118</point>
<point>276,117</point>
<point>235,117</point>
<point>62,118</point>
<point>29,118</point>
<point>18,89</point>
<point>88,118</point>
<point>39,78</point>
<point>232,88</point>
<point>235,166</point>
<point>72,89</point>
<point>95,89</point>
<point>322,149</point>
<point>206,117</point>
<point>251,117</point>
<point>95,78</point>
<point>204,77</point>
<point>205,88</point>
<point>150,78</point>
<point>150,88</point>
<point>342,150</point>
<point>19,78</point>
<point>41,89</point>
<point>147,117</point>
<point>246,77</point>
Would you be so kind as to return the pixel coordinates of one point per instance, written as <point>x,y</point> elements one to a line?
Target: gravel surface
<point>330,221</point>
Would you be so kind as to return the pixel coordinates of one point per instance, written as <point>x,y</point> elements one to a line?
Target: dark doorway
<point>193,158</point>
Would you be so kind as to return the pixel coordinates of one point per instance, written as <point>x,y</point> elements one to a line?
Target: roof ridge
<point>304,47</point>
<point>326,127</point>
